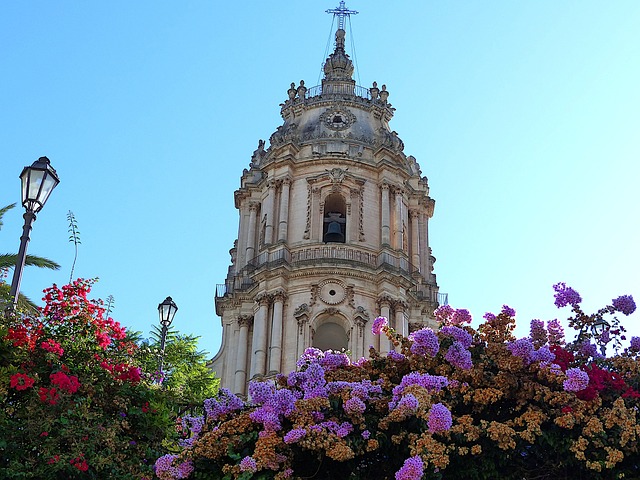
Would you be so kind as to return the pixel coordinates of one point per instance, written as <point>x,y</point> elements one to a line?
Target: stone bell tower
<point>333,231</point>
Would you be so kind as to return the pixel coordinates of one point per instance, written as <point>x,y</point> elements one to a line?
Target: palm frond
<point>8,260</point>
<point>4,210</point>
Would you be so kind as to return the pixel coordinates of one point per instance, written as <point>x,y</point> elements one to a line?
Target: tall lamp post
<point>166,310</point>
<point>38,181</point>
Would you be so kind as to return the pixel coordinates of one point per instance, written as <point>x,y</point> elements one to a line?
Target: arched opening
<point>335,219</point>
<point>330,336</point>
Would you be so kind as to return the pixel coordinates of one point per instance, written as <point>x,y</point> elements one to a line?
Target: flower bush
<point>74,401</point>
<point>454,403</point>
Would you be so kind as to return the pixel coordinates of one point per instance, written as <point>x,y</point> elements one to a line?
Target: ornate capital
<point>279,295</point>
<point>263,299</point>
<point>385,300</point>
<point>253,206</point>
<point>245,320</point>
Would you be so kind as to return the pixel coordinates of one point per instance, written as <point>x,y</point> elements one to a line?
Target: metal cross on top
<point>341,12</point>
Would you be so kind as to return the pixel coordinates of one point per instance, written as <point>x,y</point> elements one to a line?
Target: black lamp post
<point>38,181</point>
<point>166,310</point>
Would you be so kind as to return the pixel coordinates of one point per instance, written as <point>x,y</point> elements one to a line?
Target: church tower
<point>333,232</point>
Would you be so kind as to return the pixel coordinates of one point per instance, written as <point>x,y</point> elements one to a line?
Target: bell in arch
<point>334,229</point>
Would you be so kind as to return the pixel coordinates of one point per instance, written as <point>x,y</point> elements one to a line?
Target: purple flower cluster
<point>310,355</point>
<point>460,317</point>
<point>425,342</point>
<point>508,311</point>
<point>624,304</point>
<point>439,418</point>
<point>576,380</point>
<point>408,404</point>
<point>538,333</point>
<point>635,344</point>
<point>332,360</point>
<point>193,425</point>
<point>165,470</point>
<point>444,313</point>
<point>248,464</point>
<point>589,349</point>
<point>458,334</point>
<point>459,356</point>
<point>354,406</point>
<point>340,429</point>
<point>489,317</point>
<point>378,325</point>
<point>543,355</point>
<point>226,402</point>
<point>412,469</point>
<point>295,435</point>
<point>565,295</point>
<point>395,356</point>
<point>522,348</point>
<point>261,392</point>
<point>311,381</point>
<point>433,383</point>
<point>556,332</point>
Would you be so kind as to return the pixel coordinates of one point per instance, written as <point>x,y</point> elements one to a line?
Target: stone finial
<point>302,90</point>
<point>292,91</point>
<point>374,90</point>
<point>384,94</point>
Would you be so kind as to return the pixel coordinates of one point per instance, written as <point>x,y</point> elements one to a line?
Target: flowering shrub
<point>74,402</point>
<point>456,403</point>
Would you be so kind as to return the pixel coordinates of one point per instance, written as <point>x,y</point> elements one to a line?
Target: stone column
<point>269,207</point>
<point>398,223</point>
<point>284,210</point>
<point>402,322</point>
<point>386,233</point>
<point>275,352</point>
<point>415,243</point>
<point>424,253</point>
<point>385,310</point>
<point>251,232</point>
<point>259,341</point>
<point>241,356</point>
<point>242,237</point>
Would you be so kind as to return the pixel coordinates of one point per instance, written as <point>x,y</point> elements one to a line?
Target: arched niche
<point>330,332</point>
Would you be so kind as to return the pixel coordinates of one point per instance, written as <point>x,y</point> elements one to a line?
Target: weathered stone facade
<point>333,232</point>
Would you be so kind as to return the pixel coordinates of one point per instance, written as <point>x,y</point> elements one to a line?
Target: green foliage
<point>187,378</point>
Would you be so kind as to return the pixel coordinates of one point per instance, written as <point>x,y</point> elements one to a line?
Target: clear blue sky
<point>525,116</point>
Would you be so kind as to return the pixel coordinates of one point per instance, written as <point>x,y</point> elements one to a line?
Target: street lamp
<point>38,181</point>
<point>166,310</point>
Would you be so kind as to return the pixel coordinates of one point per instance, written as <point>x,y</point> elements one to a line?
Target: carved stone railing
<point>356,90</point>
<point>323,255</point>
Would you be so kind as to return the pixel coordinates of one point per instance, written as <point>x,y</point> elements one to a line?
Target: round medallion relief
<point>337,118</point>
<point>332,292</point>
